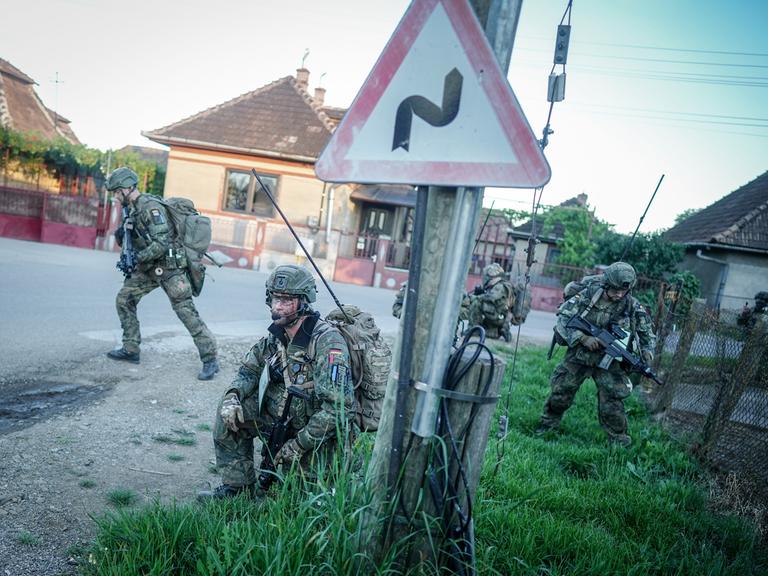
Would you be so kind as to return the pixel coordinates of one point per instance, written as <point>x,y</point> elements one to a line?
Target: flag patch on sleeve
<point>333,354</point>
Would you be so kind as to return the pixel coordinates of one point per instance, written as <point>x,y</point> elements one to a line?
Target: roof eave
<point>718,246</point>
<point>169,141</point>
<point>524,235</point>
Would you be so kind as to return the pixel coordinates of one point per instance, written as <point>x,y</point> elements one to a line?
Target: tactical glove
<point>231,411</point>
<point>647,357</point>
<point>590,343</point>
<point>478,290</point>
<point>290,452</point>
<point>119,235</point>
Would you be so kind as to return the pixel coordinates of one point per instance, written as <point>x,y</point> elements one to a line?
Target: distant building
<point>22,110</point>
<point>726,245</point>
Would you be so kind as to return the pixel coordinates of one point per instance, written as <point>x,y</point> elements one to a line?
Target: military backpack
<point>370,358</point>
<point>193,230</point>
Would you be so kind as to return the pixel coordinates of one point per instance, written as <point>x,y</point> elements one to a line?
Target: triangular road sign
<point>435,110</point>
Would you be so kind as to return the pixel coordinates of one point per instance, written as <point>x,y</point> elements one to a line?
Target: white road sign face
<point>436,109</point>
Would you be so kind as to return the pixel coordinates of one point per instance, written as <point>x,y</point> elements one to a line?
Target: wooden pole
<point>407,525</point>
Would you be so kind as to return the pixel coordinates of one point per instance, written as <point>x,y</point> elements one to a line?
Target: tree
<point>74,165</point>
<point>580,230</point>
<point>651,255</point>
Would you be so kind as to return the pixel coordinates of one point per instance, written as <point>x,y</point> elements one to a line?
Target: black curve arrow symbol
<point>428,111</point>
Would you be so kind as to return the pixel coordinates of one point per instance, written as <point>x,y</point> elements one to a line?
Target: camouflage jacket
<point>326,376</point>
<point>627,313</point>
<point>497,294</point>
<point>153,234</point>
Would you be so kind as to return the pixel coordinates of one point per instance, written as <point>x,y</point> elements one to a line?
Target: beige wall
<point>201,183</point>
<point>200,176</point>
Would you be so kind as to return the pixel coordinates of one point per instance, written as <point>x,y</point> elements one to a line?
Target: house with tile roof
<point>727,245</point>
<point>22,110</point>
<point>280,130</point>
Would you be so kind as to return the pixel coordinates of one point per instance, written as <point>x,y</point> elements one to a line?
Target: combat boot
<point>124,355</point>
<point>209,370</point>
<point>225,491</point>
<point>506,334</point>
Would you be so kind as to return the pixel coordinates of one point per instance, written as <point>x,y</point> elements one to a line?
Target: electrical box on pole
<point>561,43</point>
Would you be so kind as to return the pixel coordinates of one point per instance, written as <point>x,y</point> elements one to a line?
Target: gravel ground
<point>56,476</point>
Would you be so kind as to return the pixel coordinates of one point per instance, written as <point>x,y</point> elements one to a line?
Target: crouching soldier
<point>302,357</point>
<point>491,303</point>
<point>603,303</point>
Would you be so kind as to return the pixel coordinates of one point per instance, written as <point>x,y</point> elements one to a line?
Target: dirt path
<point>148,433</point>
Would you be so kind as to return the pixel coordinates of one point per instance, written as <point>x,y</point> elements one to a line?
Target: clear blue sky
<point>674,87</point>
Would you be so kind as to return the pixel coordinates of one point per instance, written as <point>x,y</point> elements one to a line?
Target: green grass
<point>175,457</point>
<point>202,427</point>
<point>566,503</point>
<point>87,483</point>
<point>121,497</point>
<point>178,437</point>
<point>27,539</point>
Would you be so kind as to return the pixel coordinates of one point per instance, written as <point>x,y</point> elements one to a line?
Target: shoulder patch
<point>157,216</point>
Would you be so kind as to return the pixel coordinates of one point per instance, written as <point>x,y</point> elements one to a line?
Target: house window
<point>243,193</point>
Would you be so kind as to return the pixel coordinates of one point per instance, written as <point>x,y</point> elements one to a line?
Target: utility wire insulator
<point>556,87</point>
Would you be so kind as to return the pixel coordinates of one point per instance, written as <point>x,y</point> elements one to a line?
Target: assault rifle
<point>277,438</point>
<point>127,262</point>
<point>614,350</point>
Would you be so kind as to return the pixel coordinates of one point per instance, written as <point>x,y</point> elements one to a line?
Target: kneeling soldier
<point>301,352</point>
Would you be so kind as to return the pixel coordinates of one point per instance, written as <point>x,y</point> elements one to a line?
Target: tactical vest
<point>292,365</point>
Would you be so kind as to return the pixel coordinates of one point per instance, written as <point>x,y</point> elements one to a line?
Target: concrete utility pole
<point>451,221</point>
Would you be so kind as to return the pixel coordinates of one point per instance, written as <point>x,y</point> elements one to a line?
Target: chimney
<point>319,96</point>
<point>302,78</point>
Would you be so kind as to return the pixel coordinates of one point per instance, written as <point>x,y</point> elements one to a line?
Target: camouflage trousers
<point>235,459</point>
<point>613,387</point>
<point>179,291</point>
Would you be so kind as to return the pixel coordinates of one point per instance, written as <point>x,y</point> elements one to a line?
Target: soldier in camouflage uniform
<point>603,304</point>
<point>161,261</point>
<point>301,350</point>
<point>397,305</point>
<point>490,304</point>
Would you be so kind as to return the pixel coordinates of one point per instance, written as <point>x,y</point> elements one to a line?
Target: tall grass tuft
<point>564,503</point>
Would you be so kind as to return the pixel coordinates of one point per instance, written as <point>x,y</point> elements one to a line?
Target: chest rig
<point>289,364</point>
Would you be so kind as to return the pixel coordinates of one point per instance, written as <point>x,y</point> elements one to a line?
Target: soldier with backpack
<point>161,261</point>
<point>492,302</point>
<point>305,360</point>
<point>605,302</point>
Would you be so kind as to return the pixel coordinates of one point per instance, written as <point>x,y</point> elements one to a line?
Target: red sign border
<point>531,170</point>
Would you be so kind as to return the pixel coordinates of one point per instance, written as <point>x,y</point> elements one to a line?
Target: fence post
<point>664,400</point>
<point>729,393</point>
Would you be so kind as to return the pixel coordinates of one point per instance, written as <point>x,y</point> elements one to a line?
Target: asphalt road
<point>57,308</point>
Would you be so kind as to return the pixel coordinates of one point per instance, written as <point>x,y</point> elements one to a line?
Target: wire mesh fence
<point>716,393</point>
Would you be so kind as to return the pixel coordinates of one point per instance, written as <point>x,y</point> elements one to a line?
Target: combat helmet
<point>620,276</point>
<point>762,295</point>
<point>122,177</point>
<point>291,279</point>
<point>492,271</point>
